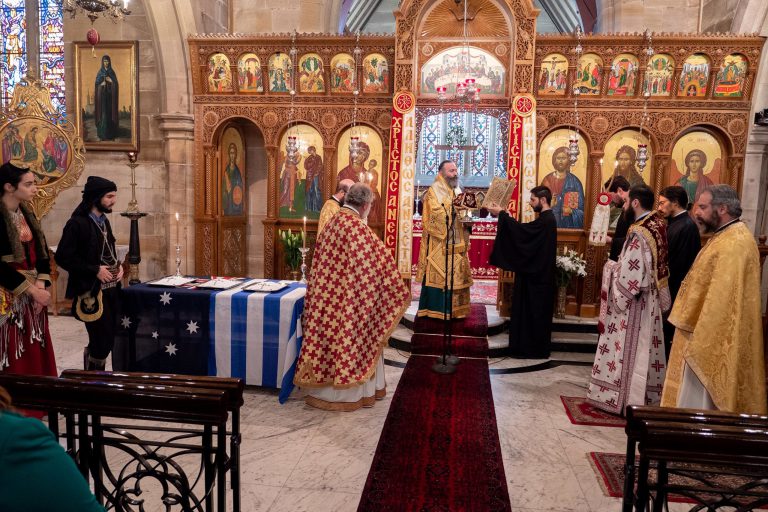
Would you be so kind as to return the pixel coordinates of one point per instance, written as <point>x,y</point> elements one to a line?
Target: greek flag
<point>257,336</point>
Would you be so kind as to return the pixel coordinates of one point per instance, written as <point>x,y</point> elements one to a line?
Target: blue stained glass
<point>13,52</point>
<point>13,55</point>
<point>456,119</point>
<point>52,51</point>
<point>500,167</point>
<point>480,140</point>
<point>430,138</point>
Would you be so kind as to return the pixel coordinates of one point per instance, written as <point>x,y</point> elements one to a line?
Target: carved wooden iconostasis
<point>697,113</point>
<point>242,81</point>
<point>700,92</point>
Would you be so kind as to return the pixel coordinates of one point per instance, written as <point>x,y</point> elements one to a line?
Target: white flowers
<point>569,264</point>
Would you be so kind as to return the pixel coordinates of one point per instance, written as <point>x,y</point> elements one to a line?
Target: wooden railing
<point>723,457</point>
<point>123,458</point>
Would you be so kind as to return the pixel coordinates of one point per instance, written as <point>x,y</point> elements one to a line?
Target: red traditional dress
<point>355,298</point>
<point>25,342</point>
<point>630,361</point>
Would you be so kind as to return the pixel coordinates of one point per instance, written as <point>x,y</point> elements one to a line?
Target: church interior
<point>226,126</point>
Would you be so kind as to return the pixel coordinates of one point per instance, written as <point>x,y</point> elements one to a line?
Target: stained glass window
<point>13,30</point>
<point>14,37</point>
<point>431,137</point>
<point>52,50</point>
<point>476,167</point>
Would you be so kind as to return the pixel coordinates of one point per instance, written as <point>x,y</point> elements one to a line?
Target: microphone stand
<point>451,358</point>
<point>444,365</point>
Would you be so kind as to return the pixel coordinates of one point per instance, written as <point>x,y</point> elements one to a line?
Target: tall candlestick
<point>304,234</point>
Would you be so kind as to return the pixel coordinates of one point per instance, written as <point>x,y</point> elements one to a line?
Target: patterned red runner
<point>582,413</point>
<point>439,449</point>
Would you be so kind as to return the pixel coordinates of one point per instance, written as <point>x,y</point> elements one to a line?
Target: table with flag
<point>230,333</point>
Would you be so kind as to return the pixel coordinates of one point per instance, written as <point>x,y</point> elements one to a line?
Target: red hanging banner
<point>403,102</point>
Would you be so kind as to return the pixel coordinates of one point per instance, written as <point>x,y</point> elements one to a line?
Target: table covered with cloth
<point>229,333</point>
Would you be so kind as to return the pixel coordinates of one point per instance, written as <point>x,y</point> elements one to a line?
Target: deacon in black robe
<point>528,250</point>
<point>617,242</point>
<point>684,245</point>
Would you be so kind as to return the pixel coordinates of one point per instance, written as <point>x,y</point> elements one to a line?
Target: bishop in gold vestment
<point>717,353</point>
<point>431,270</point>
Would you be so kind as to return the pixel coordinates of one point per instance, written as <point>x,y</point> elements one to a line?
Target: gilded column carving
<point>661,164</point>
<point>210,162</point>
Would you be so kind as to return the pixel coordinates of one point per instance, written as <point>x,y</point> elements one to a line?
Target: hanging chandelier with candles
<point>291,144</point>
<point>642,149</point>
<point>112,9</point>
<point>573,140</point>
<point>354,138</point>
<point>467,92</point>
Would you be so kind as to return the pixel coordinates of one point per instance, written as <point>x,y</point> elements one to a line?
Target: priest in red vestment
<point>355,298</point>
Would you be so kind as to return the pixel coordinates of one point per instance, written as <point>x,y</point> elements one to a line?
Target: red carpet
<point>469,334</point>
<point>474,324</point>
<point>582,413</point>
<point>439,450</point>
<point>609,468</point>
<point>481,292</point>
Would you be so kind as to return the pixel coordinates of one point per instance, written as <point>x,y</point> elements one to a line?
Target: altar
<point>230,333</point>
<point>480,247</point>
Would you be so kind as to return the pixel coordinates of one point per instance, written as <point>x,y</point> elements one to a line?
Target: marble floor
<point>295,458</point>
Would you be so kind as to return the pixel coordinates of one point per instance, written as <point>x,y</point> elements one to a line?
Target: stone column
<point>753,197</point>
<point>178,134</point>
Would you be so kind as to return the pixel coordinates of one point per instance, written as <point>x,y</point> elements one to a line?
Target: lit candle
<point>177,228</point>
<point>304,234</point>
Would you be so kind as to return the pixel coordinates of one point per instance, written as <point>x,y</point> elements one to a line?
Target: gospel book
<point>499,192</point>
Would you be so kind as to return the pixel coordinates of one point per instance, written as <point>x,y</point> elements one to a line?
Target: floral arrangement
<point>570,263</point>
<point>292,242</point>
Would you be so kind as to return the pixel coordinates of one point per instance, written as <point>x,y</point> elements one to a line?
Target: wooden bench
<point>85,399</point>
<point>233,397</point>
<point>692,442</point>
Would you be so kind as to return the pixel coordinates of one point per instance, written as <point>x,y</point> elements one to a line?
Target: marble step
<point>567,342</point>
<point>496,323</point>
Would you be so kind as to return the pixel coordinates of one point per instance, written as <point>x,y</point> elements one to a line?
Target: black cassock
<point>528,249</point>
<point>684,244</point>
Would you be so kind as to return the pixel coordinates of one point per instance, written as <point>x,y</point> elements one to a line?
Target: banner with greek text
<point>402,103</point>
<point>524,109</point>
<point>406,102</point>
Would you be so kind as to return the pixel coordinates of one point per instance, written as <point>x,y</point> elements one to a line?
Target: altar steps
<point>570,335</point>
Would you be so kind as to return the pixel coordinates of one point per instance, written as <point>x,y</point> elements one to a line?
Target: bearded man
<point>355,298</point>
<point>630,360</point>
<point>717,353</point>
<point>443,233</point>
<point>529,250</point>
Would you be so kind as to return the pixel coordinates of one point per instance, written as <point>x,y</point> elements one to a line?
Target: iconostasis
<point>317,91</point>
<point>684,100</point>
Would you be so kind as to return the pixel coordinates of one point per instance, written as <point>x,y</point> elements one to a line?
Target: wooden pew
<point>84,402</point>
<point>663,435</point>
<point>233,397</point>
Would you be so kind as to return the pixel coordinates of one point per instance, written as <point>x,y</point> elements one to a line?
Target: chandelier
<point>642,149</point>
<point>112,9</point>
<point>354,135</point>
<point>467,92</point>
<point>466,95</point>
<point>292,142</point>
<point>573,139</point>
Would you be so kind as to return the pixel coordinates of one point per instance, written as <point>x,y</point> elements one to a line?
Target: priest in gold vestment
<point>334,204</point>
<point>717,352</point>
<point>355,298</point>
<point>435,236</point>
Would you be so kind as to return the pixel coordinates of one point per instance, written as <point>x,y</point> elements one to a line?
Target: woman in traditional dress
<point>25,342</point>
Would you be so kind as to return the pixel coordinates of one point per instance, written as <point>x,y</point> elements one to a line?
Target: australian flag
<point>163,330</point>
